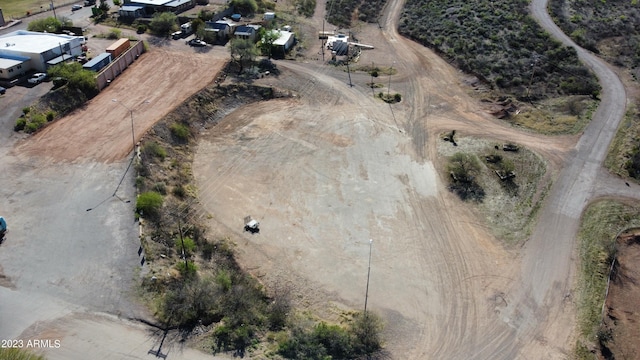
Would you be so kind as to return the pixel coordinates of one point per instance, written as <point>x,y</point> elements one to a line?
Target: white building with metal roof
<point>33,49</point>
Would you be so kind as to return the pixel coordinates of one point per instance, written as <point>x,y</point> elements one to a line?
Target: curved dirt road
<point>332,168</point>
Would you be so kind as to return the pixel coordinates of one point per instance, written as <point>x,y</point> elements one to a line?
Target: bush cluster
<point>31,121</point>
<point>589,22</point>
<point>499,43</point>
<point>341,12</point>
<point>361,338</point>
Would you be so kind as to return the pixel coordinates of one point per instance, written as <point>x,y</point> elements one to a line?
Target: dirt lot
<point>622,315</point>
<point>157,82</point>
<point>333,167</point>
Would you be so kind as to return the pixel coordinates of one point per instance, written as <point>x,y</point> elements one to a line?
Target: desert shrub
<point>188,269</point>
<point>141,29</point>
<point>160,187</point>
<point>360,339</point>
<point>149,204</point>
<point>189,245</point>
<point>180,131</point>
<point>245,7</point>
<point>31,128</point>
<point>154,149</point>
<point>50,115</point>
<point>26,110</point>
<point>179,191</point>
<point>114,34</point>
<point>18,354</point>
<point>20,124</point>
<point>306,7</point>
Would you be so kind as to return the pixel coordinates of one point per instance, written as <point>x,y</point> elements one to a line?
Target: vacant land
<point>109,123</point>
<point>19,8</point>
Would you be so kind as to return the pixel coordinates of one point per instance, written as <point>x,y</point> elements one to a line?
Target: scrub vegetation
<point>500,44</point>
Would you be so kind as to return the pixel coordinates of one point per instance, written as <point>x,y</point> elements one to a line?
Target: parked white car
<point>37,78</point>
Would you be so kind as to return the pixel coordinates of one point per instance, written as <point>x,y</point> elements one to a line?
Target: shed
<point>285,40</point>
<point>269,16</point>
<point>131,11</point>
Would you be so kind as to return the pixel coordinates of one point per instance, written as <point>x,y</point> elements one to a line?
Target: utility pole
<point>390,71</point>
<point>184,254</point>
<point>533,71</point>
<point>372,67</point>
<point>366,294</point>
<point>54,10</point>
<point>323,40</point>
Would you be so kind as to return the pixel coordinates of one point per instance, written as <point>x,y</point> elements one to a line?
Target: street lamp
<point>133,137</point>
<point>366,295</point>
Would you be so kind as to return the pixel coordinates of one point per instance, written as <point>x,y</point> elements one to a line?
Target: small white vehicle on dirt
<point>251,225</point>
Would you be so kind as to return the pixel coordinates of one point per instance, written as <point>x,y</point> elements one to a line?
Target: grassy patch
<point>601,222</point>
<point>19,8</point>
<point>624,147</point>
<point>18,354</point>
<point>509,206</point>
<point>561,115</point>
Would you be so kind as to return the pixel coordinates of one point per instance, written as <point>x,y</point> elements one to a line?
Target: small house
<point>246,32</point>
<point>222,29</point>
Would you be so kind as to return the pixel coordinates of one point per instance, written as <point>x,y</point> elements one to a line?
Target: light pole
<point>133,136</point>
<point>366,294</point>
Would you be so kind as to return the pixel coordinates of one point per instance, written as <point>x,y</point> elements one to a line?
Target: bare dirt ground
<point>335,167</point>
<point>622,316</point>
<point>157,82</point>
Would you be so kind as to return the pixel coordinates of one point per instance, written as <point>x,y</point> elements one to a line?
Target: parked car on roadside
<point>37,78</point>
<point>76,7</point>
<point>197,42</point>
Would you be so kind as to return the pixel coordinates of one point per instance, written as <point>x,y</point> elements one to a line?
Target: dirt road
<point>328,171</point>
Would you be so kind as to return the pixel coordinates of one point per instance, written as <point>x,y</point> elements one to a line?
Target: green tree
<point>163,23</point>
<point>243,52</point>
<point>266,41</point>
<point>366,332</point>
<point>245,7</point>
<point>50,24</point>
<point>197,25</point>
<point>463,167</point>
<point>77,77</point>
<point>104,6</point>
